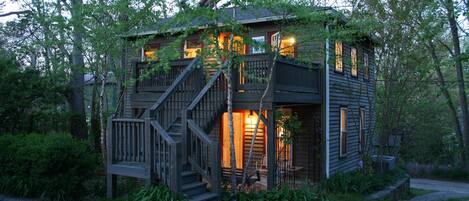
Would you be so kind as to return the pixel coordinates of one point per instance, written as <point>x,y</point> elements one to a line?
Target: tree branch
<point>15,13</point>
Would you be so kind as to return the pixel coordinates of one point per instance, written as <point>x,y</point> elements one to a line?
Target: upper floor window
<point>343,131</point>
<point>287,44</point>
<point>257,49</point>
<point>366,66</point>
<point>149,52</point>
<point>362,137</point>
<point>192,48</point>
<point>353,56</point>
<point>238,44</point>
<point>339,64</point>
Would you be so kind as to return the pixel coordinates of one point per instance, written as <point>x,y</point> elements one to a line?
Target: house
<point>173,126</point>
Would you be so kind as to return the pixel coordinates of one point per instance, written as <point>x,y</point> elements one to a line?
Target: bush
<point>280,194</point>
<point>156,193</point>
<point>53,166</point>
<point>358,182</point>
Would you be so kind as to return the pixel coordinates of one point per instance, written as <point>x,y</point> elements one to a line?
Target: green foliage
<point>359,183</point>
<point>155,193</point>
<point>31,101</point>
<point>280,194</point>
<point>52,166</point>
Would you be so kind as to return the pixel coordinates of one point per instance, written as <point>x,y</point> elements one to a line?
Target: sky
<point>14,6</point>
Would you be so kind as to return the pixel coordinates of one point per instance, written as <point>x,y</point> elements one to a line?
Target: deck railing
<point>170,105</point>
<point>253,73</point>
<point>204,153</point>
<point>148,78</point>
<point>127,140</point>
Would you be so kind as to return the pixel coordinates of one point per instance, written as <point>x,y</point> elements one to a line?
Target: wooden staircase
<point>170,146</point>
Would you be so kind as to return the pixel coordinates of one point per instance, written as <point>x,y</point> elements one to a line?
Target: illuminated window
<point>238,45</point>
<point>362,130</point>
<point>192,48</point>
<point>287,46</point>
<point>149,52</point>
<point>343,131</point>
<point>353,55</point>
<point>258,50</point>
<point>366,66</point>
<point>339,64</point>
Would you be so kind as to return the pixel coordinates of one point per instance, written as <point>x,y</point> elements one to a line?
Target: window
<point>149,52</point>
<point>362,137</point>
<point>287,44</point>
<point>353,55</point>
<point>192,48</point>
<point>258,50</point>
<point>366,66</point>
<point>238,44</point>
<point>339,64</point>
<point>343,131</point>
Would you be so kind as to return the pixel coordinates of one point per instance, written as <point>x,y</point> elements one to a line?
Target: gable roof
<point>244,15</point>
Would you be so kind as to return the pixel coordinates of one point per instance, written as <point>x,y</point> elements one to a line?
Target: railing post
<point>216,165</point>
<point>148,147</point>
<point>185,133</point>
<point>175,167</point>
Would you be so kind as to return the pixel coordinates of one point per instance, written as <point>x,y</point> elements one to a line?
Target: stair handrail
<point>211,172</point>
<point>171,91</point>
<point>203,153</point>
<point>217,77</point>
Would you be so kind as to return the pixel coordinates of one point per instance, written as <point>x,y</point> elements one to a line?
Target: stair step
<point>208,196</point>
<point>194,188</point>
<point>189,177</point>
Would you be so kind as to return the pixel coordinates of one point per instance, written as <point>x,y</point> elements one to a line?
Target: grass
<point>418,192</point>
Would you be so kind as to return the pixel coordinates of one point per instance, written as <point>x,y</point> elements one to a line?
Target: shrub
<point>156,193</point>
<point>52,166</point>
<point>358,182</point>
<point>280,194</point>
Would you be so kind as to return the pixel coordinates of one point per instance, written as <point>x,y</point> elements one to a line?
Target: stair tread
<point>188,173</point>
<point>204,197</point>
<point>193,185</point>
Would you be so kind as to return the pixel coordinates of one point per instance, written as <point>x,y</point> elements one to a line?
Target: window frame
<point>339,58</point>
<point>260,50</point>
<point>362,129</point>
<point>193,41</point>
<point>366,66</point>
<point>343,132</point>
<point>354,62</point>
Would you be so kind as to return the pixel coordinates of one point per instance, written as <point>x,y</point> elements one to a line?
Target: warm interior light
<point>292,40</point>
<point>250,119</point>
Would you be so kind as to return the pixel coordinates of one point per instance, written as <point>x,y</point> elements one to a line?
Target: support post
<point>148,149</point>
<point>271,150</point>
<point>111,180</point>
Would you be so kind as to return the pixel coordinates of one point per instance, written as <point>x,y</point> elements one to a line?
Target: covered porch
<point>275,161</point>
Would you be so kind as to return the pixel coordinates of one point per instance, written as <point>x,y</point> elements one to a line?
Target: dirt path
<point>445,189</point>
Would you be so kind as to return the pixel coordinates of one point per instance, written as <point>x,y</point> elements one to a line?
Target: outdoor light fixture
<point>292,40</point>
<point>250,118</point>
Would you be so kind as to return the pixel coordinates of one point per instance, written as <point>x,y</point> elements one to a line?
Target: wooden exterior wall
<point>353,93</point>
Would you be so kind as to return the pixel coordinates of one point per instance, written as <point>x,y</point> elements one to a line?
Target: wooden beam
<point>271,150</point>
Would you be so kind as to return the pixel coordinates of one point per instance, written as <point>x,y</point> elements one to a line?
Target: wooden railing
<point>169,106</point>
<point>151,79</point>
<point>204,153</point>
<point>253,72</point>
<point>289,75</point>
<point>295,77</point>
<point>166,153</point>
<point>127,138</point>
<point>166,157</point>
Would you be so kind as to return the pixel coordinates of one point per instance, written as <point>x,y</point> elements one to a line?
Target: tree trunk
<point>449,101</point>
<point>95,111</point>
<point>77,105</point>
<point>459,73</point>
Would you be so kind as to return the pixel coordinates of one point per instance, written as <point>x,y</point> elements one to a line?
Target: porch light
<point>292,40</point>
<point>250,119</point>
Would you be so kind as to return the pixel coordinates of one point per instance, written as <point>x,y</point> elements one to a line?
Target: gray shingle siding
<point>353,93</point>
